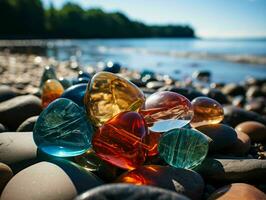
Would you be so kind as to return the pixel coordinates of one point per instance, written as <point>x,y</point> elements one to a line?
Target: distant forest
<point>25,19</point>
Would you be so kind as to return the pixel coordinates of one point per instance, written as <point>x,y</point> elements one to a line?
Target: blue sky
<point>210,18</point>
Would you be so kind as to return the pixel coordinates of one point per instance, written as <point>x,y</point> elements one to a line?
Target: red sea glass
<point>52,89</point>
<point>166,110</point>
<point>121,140</point>
<point>152,141</point>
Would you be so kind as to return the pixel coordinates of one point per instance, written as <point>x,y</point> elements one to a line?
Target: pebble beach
<point>234,168</point>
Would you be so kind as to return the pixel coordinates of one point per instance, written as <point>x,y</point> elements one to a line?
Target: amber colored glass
<point>52,89</point>
<point>120,141</point>
<point>166,110</point>
<point>152,141</point>
<point>109,94</point>
<point>206,111</point>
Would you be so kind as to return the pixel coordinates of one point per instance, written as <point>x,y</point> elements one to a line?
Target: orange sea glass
<point>166,110</point>
<point>52,89</point>
<point>108,94</point>
<point>121,140</point>
<point>206,111</point>
<point>152,141</point>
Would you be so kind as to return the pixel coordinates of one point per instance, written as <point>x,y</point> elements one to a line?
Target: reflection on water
<point>228,60</point>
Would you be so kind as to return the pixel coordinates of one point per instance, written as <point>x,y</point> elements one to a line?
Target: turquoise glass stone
<point>48,73</point>
<point>76,93</point>
<point>63,129</point>
<point>183,148</point>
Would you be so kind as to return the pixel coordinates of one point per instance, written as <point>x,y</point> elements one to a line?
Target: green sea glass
<point>183,148</point>
<point>63,129</point>
<point>48,73</point>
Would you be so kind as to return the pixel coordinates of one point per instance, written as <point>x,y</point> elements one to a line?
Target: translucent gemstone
<point>52,89</point>
<point>183,148</point>
<point>152,141</point>
<point>109,94</point>
<point>206,111</point>
<point>76,93</point>
<point>48,73</point>
<point>165,110</point>
<point>120,141</point>
<point>63,129</point>
<point>66,83</point>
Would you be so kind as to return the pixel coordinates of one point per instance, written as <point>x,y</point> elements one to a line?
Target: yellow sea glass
<point>109,94</point>
<point>206,111</point>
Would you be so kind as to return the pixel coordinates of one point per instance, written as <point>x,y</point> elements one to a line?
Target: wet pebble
<point>255,130</point>
<point>28,124</point>
<point>5,175</point>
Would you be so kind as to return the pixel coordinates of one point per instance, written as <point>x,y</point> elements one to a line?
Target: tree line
<point>29,19</point>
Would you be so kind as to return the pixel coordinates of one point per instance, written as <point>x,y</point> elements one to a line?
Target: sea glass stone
<point>166,110</point>
<point>152,141</point>
<point>183,148</point>
<point>109,94</point>
<point>48,73</point>
<point>121,140</point>
<point>206,111</point>
<point>112,67</point>
<point>65,82</point>
<point>52,89</point>
<point>76,93</point>
<point>63,129</point>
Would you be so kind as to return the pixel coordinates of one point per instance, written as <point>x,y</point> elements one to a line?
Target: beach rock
<point>234,116</point>
<point>182,181</point>
<point>155,85</point>
<point>17,149</point>
<point>238,191</point>
<point>223,137</point>
<point>6,93</point>
<point>54,180</point>
<point>233,169</point>
<point>112,67</point>
<point>255,130</point>
<point>254,91</point>
<point>16,110</point>
<point>187,92</point>
<point>243,144</point>
<point>233,89</point>
<point>5,175</point>
<point>28,124</point>
<point>202,75</point>
<point>129,192</point>
<point>256,105</point>
<point>2,128</point>
<point>216,95</point>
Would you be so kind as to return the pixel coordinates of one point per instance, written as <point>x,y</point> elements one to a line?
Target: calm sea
<point>228,60</point>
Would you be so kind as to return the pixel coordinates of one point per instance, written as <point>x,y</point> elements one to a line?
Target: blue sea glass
<point>80,80</point>
<point>83,74</point>
<point>63,129</point>
<point>183,148</point>
<point>66,83</point>
<point>112,67</point>
<point>48,73</point>
<point>76,93</point>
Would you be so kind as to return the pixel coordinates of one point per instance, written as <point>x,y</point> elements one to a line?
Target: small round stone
<point>183,148</point>
<point>255,130</point>
<point>223,137</point>
<point>238,191</point>
<point>63,129</point>
<point>243,144</point>
<point>129,192</point>
<point>165,110</point>
<point>206,111</point>
<point>76,93</point>
<point>5,175</point>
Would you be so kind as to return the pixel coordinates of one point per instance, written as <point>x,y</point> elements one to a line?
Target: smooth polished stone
<point>63,129</point>
<point>165,110</point>
<point>120,141</point>
<point>76,93</point>
<point>82,74</point>
<point>182,181</point>
<point>238,191</point>
<point>5,175</point>
<point>129,192</point>
<point>109,94</point>
<point>183,148</point>
<point>52,89</point>
<point>112,67</point>
<point>206,111</point>
<point>50,180</point>
<point>66,83</point>
<point>255,130</point>
<point>48,73</point>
